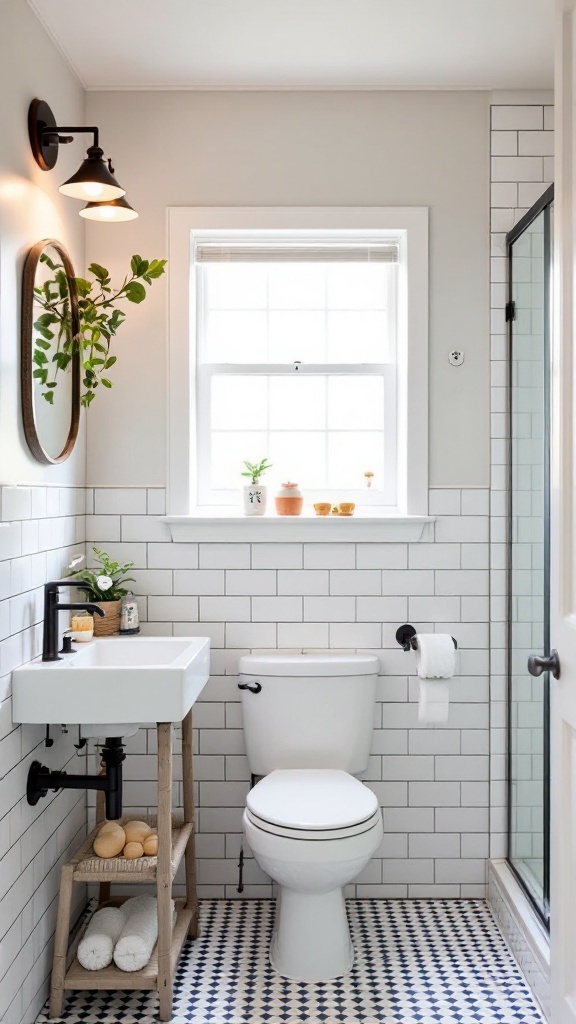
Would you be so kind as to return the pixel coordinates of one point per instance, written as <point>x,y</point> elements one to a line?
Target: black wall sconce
<point>94,181</point>
<point>115,211</point>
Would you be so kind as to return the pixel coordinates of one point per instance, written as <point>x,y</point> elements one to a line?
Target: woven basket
<point>110,623</point>
<point>91,863</point>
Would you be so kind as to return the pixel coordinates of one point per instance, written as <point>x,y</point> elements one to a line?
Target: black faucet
<point>51,609</point>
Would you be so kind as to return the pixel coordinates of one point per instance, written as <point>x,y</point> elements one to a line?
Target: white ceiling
<point>304,44</point>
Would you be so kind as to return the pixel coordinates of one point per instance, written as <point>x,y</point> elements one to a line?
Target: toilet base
<point>311,940</point>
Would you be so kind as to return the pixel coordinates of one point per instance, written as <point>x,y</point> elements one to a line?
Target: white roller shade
<point>212,252</point>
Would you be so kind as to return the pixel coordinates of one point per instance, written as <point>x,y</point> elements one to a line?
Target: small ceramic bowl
<point>346,508</point>
<point>81,635</point>
<point>322,508</point>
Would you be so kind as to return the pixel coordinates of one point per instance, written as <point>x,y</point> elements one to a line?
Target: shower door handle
<point>538,665</point>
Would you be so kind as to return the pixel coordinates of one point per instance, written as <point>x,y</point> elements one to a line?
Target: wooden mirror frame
<point>26,355</point>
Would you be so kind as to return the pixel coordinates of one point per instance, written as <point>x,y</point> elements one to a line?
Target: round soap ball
<point>109,826</point>
<point>151,846</point>
<point>110,843</point>
<point>133,850</point>
<point>137,831</point>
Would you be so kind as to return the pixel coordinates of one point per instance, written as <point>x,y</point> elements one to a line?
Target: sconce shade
<point>113,212</point>
<point>93,181</point>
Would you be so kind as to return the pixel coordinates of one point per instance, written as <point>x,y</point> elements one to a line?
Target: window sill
<point>222,527</point>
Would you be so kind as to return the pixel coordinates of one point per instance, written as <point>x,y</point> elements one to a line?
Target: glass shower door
<point>529,248</point>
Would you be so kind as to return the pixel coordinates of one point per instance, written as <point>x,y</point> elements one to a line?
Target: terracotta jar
<point>289,500</point>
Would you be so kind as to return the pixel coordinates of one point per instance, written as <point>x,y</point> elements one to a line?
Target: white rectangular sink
<point>115,680</point>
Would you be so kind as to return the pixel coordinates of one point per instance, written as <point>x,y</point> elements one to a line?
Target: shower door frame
<point>543,205</point>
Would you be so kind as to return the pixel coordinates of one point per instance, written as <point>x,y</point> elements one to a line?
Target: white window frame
<point>186,225</point>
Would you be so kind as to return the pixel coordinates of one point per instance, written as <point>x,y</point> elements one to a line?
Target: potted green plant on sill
<point>100,317</point>
<point>254,494</point>
<point>103,585</point>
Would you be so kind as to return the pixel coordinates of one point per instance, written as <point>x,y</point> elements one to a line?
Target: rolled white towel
<point>96,948</point>
<point>138,938</point>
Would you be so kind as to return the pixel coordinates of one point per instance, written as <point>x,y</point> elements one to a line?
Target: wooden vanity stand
<point>175,840</point>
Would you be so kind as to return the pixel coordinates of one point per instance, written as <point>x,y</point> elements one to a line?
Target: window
<point>296,361</point>
<point>299,335</point>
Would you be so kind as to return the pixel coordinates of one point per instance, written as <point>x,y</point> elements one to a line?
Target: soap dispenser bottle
<point>129,622</point>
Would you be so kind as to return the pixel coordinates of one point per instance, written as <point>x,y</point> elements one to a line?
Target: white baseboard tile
<point>522,929</point>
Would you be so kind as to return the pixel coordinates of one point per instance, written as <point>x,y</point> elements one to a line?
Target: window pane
<point>357,285</point>
<point>229,450</point>
<point>235,286</point>
<point>324,429</point>
<point>355,403</point>
<point>297,335</point>
<point>239,403</point>
<point>297,401</point>
<point>357,337</point>
<point>238,337</point>
<point>351,454</point>
<point>300,456</point>
<point>296,286</point>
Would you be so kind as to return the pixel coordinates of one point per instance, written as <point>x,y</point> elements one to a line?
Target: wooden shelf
<point>90,868</point>
<point>110,978</point>
<point>175,842</point>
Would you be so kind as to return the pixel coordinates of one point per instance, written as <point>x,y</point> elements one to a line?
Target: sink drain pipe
<point>41,779</point>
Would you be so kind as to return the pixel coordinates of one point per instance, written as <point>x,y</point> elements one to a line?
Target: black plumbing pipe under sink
<point>41,779</point>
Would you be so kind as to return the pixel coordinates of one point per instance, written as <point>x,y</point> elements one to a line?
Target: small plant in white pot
<point>254,493</point>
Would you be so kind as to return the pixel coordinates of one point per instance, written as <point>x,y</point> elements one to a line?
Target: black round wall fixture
<point>40,116</point>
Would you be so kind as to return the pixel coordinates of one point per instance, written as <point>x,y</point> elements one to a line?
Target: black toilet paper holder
<point>406,637</point>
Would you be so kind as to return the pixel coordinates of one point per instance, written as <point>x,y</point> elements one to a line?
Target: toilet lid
<point>311,799</point>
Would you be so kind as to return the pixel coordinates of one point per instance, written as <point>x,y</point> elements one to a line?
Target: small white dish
<point>82,636</point>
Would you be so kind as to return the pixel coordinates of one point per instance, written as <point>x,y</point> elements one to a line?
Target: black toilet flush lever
<point>253,687</point>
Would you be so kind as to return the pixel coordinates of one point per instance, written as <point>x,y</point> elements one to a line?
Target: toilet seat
<point>316,835</point>
<point>316,804</point>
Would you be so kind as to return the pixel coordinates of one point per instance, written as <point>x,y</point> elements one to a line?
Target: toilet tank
<point>313,710</point>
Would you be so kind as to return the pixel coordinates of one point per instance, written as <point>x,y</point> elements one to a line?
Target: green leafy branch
<point>53,342</point>
<point>100,319</point>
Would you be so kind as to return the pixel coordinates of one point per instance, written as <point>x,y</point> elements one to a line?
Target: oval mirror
<point>50,361</point>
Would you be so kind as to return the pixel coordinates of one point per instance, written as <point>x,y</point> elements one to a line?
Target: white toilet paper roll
<point>435,661</point>
<point>433,702</point>
<point>435,656</point>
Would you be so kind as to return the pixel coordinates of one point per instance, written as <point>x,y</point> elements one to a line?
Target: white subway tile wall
<point>522,150</point>
<point>442,789</point>
<point>432,783</point>
<point>40,529</point>
<point>527,132</point>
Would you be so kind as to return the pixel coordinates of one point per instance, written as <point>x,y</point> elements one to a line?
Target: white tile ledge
<point>523,913</point>
<point>319,529</point>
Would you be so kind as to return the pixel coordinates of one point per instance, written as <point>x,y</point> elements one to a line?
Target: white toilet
<point>310,824</point>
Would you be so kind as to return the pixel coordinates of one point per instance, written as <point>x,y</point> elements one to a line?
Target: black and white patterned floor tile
<point>417,962</point>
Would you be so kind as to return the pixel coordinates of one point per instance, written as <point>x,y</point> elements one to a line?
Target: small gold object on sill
<point>345,508</point>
